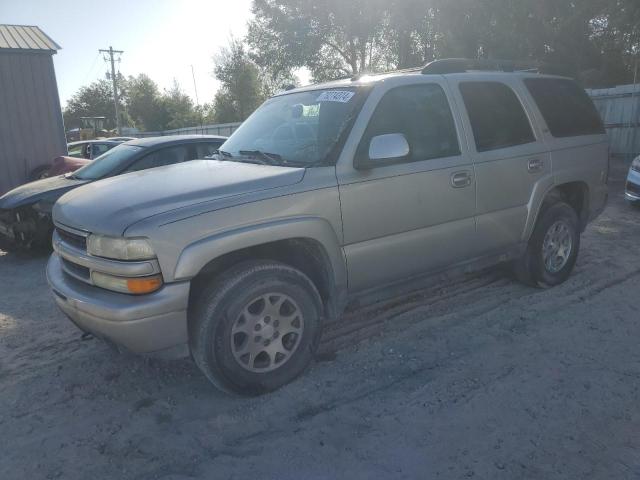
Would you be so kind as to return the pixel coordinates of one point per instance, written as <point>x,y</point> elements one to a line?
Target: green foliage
<point>94,100</point>
<point>241,90</point>
<point>141,105</point>
<point>179,110</point>
<point>595,40</point>
<point>144,103</point>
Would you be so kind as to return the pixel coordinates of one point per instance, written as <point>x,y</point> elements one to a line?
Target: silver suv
<point>324,194</point>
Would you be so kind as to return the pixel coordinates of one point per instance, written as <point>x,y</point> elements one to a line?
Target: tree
<point>334,38</point>
<point>241,90</point>
<point>144,103</point>
<point>94,100</point>
<point>178,108</point>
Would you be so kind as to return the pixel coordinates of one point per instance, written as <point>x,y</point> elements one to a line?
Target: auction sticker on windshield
<point>342,96</point>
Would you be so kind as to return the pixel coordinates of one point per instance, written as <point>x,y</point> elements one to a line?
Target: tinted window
<point>422,114</point>
<point>164,156</point>
<point>565,106</point>
<point>497,117</point>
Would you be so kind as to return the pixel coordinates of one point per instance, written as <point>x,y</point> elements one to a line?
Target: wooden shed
<point>31,127</point>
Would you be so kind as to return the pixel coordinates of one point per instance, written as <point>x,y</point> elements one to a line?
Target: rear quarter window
<point>565,107</point>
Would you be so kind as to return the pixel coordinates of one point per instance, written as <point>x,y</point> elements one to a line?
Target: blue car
<point>632,187</point>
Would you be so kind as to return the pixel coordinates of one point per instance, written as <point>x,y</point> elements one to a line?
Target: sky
<point>161,38</point>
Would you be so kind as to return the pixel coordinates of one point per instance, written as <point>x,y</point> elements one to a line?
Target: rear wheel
<point>552,249</point>
<point>256,327</point>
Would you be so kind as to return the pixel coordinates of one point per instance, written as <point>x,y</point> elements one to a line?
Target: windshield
<point>108,163</point>
<point>297,128</point>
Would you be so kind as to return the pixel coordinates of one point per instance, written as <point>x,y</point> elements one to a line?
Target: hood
<point>110,206</point>
<point>49,189</point>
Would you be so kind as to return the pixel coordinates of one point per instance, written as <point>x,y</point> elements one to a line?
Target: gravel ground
<point>481,377</point>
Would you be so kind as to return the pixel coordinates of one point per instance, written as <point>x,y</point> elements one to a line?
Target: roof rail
<point>461,65</point>
<point>358,76</point>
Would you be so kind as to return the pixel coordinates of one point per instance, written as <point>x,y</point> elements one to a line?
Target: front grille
<point>73,239</point>
<point>633,188</point>
<point>76,270</point>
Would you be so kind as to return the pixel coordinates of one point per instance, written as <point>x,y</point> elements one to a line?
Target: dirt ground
<point>481,377</point>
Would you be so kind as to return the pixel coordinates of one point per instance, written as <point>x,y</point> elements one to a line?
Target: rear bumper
<point>141,324</point>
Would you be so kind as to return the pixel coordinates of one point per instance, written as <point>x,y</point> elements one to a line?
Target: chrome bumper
<point>142,324</point>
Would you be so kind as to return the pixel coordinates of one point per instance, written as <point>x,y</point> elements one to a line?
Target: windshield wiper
<point>271,158</point>
<point>223,153</point>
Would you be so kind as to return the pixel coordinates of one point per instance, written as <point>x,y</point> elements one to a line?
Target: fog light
<point>136,285</point>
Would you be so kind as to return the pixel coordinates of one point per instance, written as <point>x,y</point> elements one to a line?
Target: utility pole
<point>111,51</point>
<point>195,87</point>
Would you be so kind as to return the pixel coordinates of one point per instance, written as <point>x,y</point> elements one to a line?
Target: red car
<point>80,153</point>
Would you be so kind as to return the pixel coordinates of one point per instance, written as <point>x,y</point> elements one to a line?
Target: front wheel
<point>553,248</point>
<point>256,327</point>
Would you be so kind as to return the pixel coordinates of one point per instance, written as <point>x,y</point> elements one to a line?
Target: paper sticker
<point>342,96</point>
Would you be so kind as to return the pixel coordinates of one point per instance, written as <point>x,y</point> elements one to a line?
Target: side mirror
<point>385,149</point>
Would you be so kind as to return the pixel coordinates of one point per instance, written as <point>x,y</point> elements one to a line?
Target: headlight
<point>120,248</point>
<point>136,285</point>
<point>635,165</point>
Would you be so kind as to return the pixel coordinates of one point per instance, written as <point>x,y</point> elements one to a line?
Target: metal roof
<point>26,37</point>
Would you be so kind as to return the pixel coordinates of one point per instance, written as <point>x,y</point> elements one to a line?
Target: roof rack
<point>358,76</point>
<point>461,65</point>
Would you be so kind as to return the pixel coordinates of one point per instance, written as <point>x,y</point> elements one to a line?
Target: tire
<point>7,245</point>
<point>39,173</point>
<point>227,344</point>
<point>558,225</point>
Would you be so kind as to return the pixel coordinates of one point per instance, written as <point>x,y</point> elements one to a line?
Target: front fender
<point>196,255</point>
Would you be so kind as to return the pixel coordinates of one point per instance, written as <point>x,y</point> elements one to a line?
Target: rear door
<point>510,159</point>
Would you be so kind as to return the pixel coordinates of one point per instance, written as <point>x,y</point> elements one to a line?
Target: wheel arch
<point>308,244</point>
<point>575,193</point>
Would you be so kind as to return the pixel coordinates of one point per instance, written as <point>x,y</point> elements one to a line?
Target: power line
<point>111,52</point>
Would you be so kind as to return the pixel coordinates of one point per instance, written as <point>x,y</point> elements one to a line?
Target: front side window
<point>77,151</point>
<point>497,117</point>
<point>565,106</point>
<point>162,157</point>
<point>422,114</point>
<point>299,129</point>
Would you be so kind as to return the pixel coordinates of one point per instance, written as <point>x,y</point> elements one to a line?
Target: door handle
<point>460,179</point>
<point>534,165</point>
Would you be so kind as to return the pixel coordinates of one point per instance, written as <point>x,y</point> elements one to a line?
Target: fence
<point>224,129</point>
<point>619,108</point>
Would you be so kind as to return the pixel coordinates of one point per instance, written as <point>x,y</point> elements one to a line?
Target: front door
<point>414,215</point>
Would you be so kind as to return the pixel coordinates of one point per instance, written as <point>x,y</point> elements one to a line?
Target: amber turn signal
<point>144,284</point>
<point>136,285</point>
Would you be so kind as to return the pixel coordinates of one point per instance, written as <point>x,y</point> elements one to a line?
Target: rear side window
<point>497,117</point>
<point>422,114</point>
<point>565,106</point>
